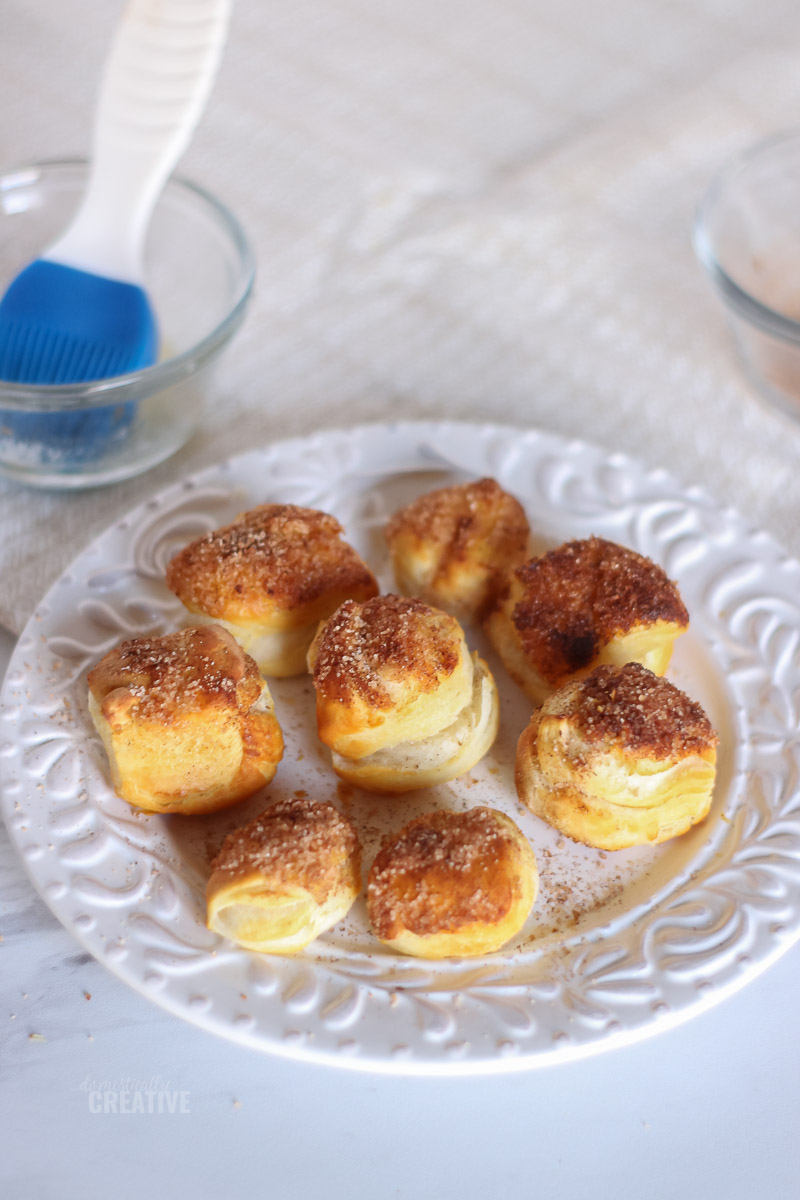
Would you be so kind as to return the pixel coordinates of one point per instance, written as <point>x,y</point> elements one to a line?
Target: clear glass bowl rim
<point>741,301</point>
<point>119,388</point>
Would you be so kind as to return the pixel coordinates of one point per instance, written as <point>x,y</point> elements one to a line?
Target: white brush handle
<point>155,85</point>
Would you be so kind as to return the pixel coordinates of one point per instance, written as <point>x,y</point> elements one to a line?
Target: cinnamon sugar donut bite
<point>452,884</point>
<point>454,547</point>
<point>583,604</point>
<point>270,577</point>
<point>401,702</point>
<point>284,878</point>
<point>618,759</point>
<point>186,720</point>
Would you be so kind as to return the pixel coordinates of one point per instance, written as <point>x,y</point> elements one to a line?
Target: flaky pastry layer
<point>441,756</point>
<point>279,654</point>
<point>276,569</point>
<point>455,546</point>
<point>186,720</point>
<point>388,671</point>
<point>287,876</point>
<point>620,758</point>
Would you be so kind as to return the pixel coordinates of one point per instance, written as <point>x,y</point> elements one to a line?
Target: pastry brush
<point>80,311</point>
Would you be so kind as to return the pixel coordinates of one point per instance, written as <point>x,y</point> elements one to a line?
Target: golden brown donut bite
<point>619,758</point>
<point>284,878</point>
<point>452,884</point>
<point>270,577</point>
<point>186,720</point>
<point>583,604</point>
<point>401,702</point>
<point>454,547</point>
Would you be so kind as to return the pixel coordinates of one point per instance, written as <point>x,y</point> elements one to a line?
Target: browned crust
<point>162,678</point>
<point>277,557</point>
<point>297,842</point>
<point>577,598</point>
<point>618,759</point>
<point>474,522</point>
<point>641,712</point>
<point>442,872</point>
<point>365,647</point>
<point>168,706</point>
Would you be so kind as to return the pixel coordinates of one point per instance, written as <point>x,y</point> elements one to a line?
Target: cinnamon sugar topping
<point>275,556</point>
<point>454,517</point>
<point>577,598</point>
<point>643,711</point>
<point>299,842</point>
<point>365,646</point>
<point>179,673</point>
<point>443,871</point>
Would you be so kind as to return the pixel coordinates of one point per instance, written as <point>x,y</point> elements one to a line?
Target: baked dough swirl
<point>452,884</point>
<point>586,603</point>
<point>454,547</point>
<point>270,577</point>
<point>401,702</point>
<point>284,878</point>
<point>186,720</point>
<point>620,758</point>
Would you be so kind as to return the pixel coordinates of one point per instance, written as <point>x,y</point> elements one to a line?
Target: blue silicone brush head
<point>62,325</point>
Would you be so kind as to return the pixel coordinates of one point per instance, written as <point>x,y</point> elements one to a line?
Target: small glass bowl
<point>747,236</point>
<point>198,272</point>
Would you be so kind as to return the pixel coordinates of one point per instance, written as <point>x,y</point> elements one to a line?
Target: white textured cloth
<point>463,208</point>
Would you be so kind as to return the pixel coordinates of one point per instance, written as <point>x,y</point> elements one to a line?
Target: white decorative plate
<point>619,944</point>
